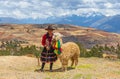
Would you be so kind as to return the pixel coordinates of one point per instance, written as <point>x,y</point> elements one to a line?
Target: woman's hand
<point>47,47</point>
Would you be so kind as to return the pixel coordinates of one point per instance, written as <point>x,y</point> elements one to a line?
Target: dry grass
<point>22,67</point>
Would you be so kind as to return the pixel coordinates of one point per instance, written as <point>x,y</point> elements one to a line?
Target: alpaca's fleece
<point>70,51</point>
<point>57,36</point>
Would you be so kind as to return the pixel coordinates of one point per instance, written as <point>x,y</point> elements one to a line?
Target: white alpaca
<point>70,51</point>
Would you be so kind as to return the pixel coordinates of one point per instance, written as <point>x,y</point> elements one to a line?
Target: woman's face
<point>50,31</point>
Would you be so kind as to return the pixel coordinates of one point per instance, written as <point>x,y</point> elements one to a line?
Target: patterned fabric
<point>57,47</point>
<point>47,56</point>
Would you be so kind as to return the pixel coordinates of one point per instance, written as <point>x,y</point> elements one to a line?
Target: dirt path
<point>22,67</point>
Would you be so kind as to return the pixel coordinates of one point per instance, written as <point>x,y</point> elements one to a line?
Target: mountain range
<point>111,24</point>
<point>101,22</point>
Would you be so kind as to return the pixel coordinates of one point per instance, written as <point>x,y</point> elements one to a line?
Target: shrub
<point>118,50</point>
<point>83,51</point>
<point>14,47</point>
<point>29,50</point>
<point>95,51</point>
<point>4,53</point>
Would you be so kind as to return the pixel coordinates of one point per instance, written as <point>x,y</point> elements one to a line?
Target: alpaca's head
<point>57,36</point>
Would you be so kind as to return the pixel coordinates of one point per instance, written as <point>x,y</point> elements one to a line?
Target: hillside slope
<point>32,34</point>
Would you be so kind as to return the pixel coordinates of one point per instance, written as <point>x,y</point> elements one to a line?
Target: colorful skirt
<point>48,56</point>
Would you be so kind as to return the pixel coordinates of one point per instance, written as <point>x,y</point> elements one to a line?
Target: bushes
<point>4,53</point>
<point>97,51</point>
<point>118,50</point>
<point>23,51</point>
<point>83,51</point>
<point>14,48</point>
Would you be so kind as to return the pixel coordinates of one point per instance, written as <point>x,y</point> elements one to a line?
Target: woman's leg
<point>42,67</point>
<point>51,65</point>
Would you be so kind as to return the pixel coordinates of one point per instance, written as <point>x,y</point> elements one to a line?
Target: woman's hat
<point>49,27</point>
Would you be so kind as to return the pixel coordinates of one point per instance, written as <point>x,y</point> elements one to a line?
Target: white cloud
<point>18,14</point>
<point>44,9</point>
<point>108,5</point>
<point>45,3</point>
<point>1,12</point>
<point>24,4</point>
<point>110,12</point>
<point>90,1</point>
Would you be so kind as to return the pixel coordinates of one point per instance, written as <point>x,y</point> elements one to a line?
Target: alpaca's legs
<point>64,68</point>
<point>76,62</point>
<point>64,65</point>
<point>72,62</point>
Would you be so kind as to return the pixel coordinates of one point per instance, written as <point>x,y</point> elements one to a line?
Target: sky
<point>44,9</point>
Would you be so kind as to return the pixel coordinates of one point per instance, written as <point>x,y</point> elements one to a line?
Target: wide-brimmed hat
<point>49,27</point>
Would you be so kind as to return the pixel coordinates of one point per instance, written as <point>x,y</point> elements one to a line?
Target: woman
<point>48,54</point>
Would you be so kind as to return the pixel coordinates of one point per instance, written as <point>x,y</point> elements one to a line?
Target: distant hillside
<point>111,24</point>
<point>98,21</point>
<point>79,20</point>
<point>32,34</point>
<point>8,20</point>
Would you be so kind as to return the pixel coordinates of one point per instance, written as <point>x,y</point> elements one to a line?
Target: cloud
<point>24,4</point>
<point>19,14</point>
<point>43,9</point>
<point>108,5</point>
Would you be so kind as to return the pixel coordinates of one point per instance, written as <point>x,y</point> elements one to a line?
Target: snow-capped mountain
<point>110,24</point>
<point>80,20</point>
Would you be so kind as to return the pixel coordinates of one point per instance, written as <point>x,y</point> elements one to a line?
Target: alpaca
<point>70,51</point>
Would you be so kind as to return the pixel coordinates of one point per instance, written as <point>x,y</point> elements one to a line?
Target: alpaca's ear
<point>58,34</point>
<point>61,35</point>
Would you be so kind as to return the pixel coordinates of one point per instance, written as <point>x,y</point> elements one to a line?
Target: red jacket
<point>45,37</point>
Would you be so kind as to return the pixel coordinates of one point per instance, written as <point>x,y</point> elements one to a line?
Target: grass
<point>78,76</point>
<point>47,78</point>
<point>117,72</point>
<point>85,66</point>
<point>89,76</point>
